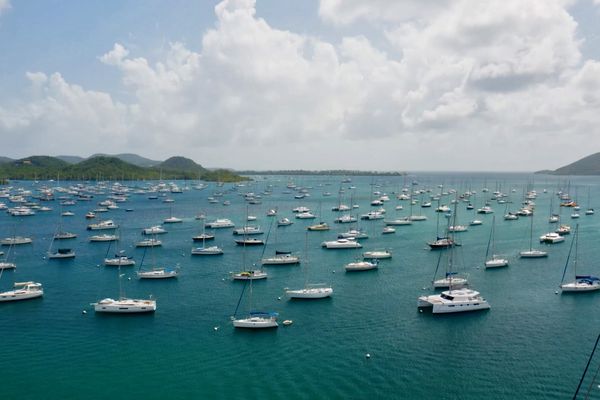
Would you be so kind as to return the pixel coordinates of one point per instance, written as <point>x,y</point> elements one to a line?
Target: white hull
<point>376,255</point>
<point>249,275</point>
<point>360,266</point>
<point>119,262</point>
<point>496,263</point>
<point>533,254</point>
<point>125,306</point>
<point>16,295</point>
<point>7,265</point>
<point>454,301</point>
<point>207,251</point>
<point>160,273</point>
<point>579,287</point>
<point>447,282</point>
<point>58,256</point>
<point>23,291</point>
<point>281,260</point>
<point>255,323</point>
<point>310,293</point>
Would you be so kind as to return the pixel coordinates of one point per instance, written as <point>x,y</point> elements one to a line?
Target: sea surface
<point>532,344</point>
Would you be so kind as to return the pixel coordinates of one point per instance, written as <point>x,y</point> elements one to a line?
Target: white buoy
<point>556,292</point>
<point>368,355</point>
<point>84,312</point>
<point>279,298</point>
<point>420,310</point>
<point>129,278</point>
<point>288,322</point>
<point>216,328</point>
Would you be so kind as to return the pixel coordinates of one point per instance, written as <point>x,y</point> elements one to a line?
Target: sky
<point>389,85</point>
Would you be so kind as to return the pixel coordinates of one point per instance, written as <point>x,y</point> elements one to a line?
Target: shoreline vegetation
<point>333,172</point>
<point>110,168</point>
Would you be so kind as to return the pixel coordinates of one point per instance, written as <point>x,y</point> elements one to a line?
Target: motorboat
<point>398,221</point>
<point>249,275</point>
<point>125,306</point>
<point>361,266</point>
<point>281,259</point>
<point>353,234</point>
<point>203,237</point>
<point>119,260</point>
<point>457,228</point>
<point>387,230</point>
<point>454,301</point>
<point>485,210</point>
<point>207,251</point>
<point>154,230</point>
<point>15,240</point>
<point>533,253</point>
<point>23,291</point>
<point>345,219</point>
<point>377,254</point>
<point>158,273</point>
<point>64,235</point>
<point>313,291</point>
<point>248,230</point>
<point>153,242</point>
<point>108,224</point>
<point>341,244</point>
<point>305,215</point>
<point>104,238</point>
<point>284,222</point>
<point>322,226</point>
<point>220,223</point>
<point>172,220</point>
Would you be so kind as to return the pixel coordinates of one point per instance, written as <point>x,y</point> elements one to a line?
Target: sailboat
<point>124,305</point>
<point>120,259</point>
<point>205,251</point>
<point>496,261</point>
<point>309,291</point>
<point>172,219</point>
<point>582,283</point>
<point>532,253</point>
<point>156,272</point>
<point>248,275</point>
<point>6,264</point>
<point>61,253</point>
<point>280,257</point>
<point>254,319</point>
<point>22,291</point>
<point>589,210</point>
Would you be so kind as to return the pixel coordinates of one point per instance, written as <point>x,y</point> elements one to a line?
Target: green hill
<point>589,165</point>
<point>4,160</point>
<point>130,158</point>
<point>109,168</point>
<point>71,159</point>
<point>178,163</point>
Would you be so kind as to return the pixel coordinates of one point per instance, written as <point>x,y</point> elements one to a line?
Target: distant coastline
<point>334,172</point>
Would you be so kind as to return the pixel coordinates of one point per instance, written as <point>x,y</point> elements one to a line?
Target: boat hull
<point>125,306</point>
<point>255,323</point>
<point>309,293</point>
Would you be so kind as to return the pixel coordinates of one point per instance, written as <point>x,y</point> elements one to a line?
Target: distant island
<point>589,165</point>
<point>102,167</point>
<point>335,172</point>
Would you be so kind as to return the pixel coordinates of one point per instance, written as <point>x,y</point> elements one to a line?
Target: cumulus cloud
<point>478,75</point>
<point>4,5</point>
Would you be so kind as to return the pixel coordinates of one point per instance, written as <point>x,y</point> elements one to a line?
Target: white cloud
<point>4,5</point>
<point>475,75</point>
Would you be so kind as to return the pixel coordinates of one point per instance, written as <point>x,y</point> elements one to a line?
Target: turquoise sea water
<point>532,344</point>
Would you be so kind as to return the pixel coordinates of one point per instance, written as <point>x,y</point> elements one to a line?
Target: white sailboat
<point>310,290</point>
<point>495,261</point>
<point>248,275</point>
<point>156,272</point>
<point>254,319</point>
<point>582,283</point>
<point>22,291</point>
<point>532,253</point>
<point>124,305</point>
